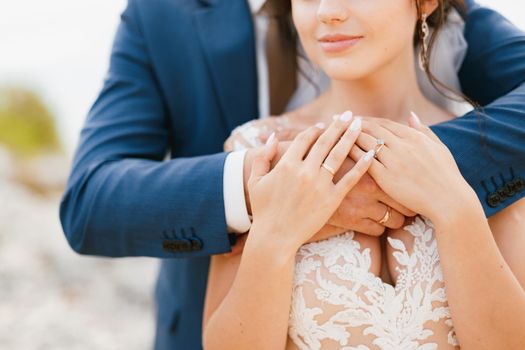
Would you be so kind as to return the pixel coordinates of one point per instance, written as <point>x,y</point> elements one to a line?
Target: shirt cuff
<point>237,218</point>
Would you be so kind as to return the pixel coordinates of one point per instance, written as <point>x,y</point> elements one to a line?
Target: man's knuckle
<point>369,185</point>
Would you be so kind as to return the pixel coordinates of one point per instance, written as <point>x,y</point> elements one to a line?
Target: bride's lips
<point>338,42</point>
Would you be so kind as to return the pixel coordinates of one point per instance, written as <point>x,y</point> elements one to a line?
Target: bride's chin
<point>344,69</point>
<point>344,74</point>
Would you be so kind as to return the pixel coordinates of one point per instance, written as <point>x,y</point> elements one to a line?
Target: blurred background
<point>53,58</point>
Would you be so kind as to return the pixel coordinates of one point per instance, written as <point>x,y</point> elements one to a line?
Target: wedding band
<point>329,169</point>
<point>386,217</point>
<point>380,144</point>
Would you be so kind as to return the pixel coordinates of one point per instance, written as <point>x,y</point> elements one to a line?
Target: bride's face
<point>350,39</point>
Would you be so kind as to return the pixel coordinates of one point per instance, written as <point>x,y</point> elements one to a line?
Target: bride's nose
<point>332,11</point>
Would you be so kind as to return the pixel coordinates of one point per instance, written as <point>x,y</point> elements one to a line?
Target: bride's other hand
<point>295,199</point>
<point>414,167</point>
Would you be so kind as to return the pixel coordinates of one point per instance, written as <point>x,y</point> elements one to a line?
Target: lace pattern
<point>339,304</point>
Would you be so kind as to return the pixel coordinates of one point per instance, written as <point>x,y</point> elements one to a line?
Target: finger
<point>328,139</point>
<point>379,211</point>
<point>262,162</point>
<point>302,143</point>
<point>376,168</point>
<point>386,199</point>
<point>363,224</point>
<point>370,227</point>
<point>398,129</point>
<point>367,142</point>
<point>380,132</point>
<point>351,178</point>
<point>415,122</point>
<point>341,150</point>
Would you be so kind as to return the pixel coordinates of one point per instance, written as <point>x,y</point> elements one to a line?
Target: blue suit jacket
<point>182,75</point>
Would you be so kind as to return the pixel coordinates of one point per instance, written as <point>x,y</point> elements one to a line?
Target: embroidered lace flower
<point>339,304</point>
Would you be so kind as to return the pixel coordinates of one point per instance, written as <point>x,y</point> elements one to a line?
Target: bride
<point>353,291</point>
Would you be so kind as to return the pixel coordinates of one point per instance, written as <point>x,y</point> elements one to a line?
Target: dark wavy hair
<point>436,21</point>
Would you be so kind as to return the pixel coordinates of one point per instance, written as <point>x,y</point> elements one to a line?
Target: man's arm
<point>489,145</point>
<point>122,199</point>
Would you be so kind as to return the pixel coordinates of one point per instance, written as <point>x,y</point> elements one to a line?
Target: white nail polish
<point>271,138</point>
<point>369,155</point>
<point>356,125</point>
<point>415,118</point>
<point>346,116</point>
<point>335,117</point>
<point>320,126</point>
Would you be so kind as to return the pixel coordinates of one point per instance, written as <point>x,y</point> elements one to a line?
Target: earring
<point>423,54</point>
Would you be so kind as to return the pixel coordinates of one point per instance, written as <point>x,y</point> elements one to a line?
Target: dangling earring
<point>423,54</point>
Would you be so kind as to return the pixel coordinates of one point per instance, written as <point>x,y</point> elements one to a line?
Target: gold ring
<point>380,144</point>
<point>329,169</point>
<point>386,217</point>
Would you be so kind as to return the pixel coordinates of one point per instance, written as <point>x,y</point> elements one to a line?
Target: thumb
<point>415,123</point>
<point>262,162</point>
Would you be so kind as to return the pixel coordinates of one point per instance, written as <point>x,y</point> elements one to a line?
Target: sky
<point>60,48</point>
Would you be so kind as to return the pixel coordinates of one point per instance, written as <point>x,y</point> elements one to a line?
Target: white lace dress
<point>338,303</point>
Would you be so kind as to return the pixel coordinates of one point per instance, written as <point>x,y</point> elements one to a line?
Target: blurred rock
<point>50,297</point>
<point>43,174</point>
<point>6,163</point>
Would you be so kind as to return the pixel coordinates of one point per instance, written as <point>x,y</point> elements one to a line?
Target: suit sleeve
<point>489,144</point>
<point>123,198</point>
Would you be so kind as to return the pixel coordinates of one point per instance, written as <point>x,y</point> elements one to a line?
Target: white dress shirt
<point>237,218</point>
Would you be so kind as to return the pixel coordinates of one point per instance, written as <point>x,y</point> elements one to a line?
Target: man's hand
<point>360,211</point>
<point>365,205</point>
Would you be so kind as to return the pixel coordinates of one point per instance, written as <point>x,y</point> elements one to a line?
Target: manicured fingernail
<point>369,155</point>
<point>335,117</point>
<point>320,125</point>
<point>270,139</point>
<point>415,118</point>
<point>346,116</point>
<point>356,125</point>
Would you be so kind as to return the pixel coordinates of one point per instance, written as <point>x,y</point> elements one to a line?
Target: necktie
<point>281,55</point>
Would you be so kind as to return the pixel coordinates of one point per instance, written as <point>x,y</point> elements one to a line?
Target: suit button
<point>494,200</point>
<point>176,245</point>
<point>510,189</point>
<point>503,192</point>
<point>196,243</point>
<point>520,184</point>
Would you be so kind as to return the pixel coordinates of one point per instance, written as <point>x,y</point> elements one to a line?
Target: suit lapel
<point>227,38</point>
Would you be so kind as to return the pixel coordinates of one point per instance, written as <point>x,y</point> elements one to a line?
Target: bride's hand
<point>295,199</point>
<point>414,167</point>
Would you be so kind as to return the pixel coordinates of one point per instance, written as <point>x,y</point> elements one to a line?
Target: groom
<point>183,74</point>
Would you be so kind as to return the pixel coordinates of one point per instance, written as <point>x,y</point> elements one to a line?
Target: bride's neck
<point>391,92</point>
